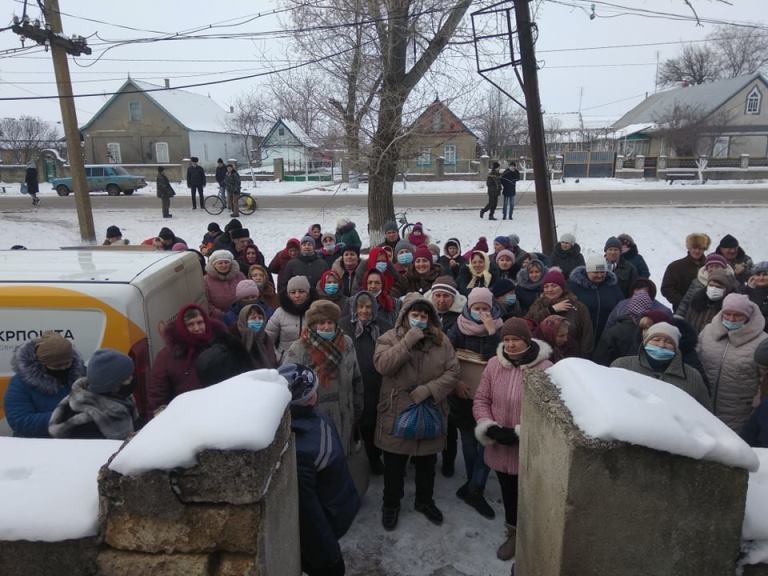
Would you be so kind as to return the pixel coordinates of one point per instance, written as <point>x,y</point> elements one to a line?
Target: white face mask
<point>715,293</point>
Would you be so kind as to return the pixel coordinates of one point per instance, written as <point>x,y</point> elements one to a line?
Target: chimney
<point>167,83</point>
<point>231,109</point>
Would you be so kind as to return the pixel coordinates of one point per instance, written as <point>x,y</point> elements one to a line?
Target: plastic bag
<point>422,421</point>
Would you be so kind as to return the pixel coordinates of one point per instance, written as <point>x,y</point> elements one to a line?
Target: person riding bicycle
<point>232,184</point>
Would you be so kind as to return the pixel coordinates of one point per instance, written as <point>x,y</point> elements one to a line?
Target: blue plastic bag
<point>422,421</point>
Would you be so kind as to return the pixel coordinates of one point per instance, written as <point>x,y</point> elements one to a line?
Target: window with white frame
<point>134,111</point>
<point>449,153</point>
<point>161,153</point>
<point>113,153</point>
<point>753,101</point>
<point>425,156</point>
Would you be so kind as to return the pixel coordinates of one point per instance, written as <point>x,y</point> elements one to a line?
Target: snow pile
<point>755,530</point>
<point>616,404</point>
<point>48,488</point>
<point>242,413</point>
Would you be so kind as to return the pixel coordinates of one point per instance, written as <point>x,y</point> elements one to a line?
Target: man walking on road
<point>509,180</point>
<point>232,184</point>
<point>221,173</point>
<point>196,181</point>
<point>164,191</point>
<point>494,189</point>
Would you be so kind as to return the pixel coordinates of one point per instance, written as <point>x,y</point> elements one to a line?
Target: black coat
<point>195,176</point>
<point>626,274</point>
<point>311,266</point>
<point>30,179</point>
<point>599,299</point>
<point>508,181</point>
<point>621,339</point>
<point>567,261</point>
<point>221,173</point>
<point>633,257</point>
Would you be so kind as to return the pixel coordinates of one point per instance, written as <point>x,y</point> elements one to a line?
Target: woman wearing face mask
<point>251,326</point>
<point>659,357</point>
<point>708,300</point>
<point>331,354</point>
<point>726,347</point>
<point>286,324</point>
<point>418,364</point>
<point>506,298</point>
<point>530,281</point>
<point>263,279</point>
<point>421,274</point>
<point>477,274</point>
<point>403,257</point>
<point>100,405</point>
<point>330,250</point>
<point>329,288</point>
<point>44,371</point>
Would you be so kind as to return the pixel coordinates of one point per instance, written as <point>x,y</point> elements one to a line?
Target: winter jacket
<point>727,357</point>
<point>599,299</point>
<point>701,309</point>
<point>626,274</point>
<point>620,310</point>
<point>348,236</point>
<point>34,392</point>
<point>685,377</point>
<point>412,281</point>
<point>465,277</point>
<point>701,281</point>
<point>498,402</point>
<point>406,364</point>
<point>678,277</point>
<point>232,182</point>
<point>221,173</point>
<point>30,179</point>
<point>509,180</point>
<point>567,261</point>
<point>164,189</point>
<point>341,398</point>
<point>526,290</point>
<point>633,257</point>
<point>580,331</point>
<point>220,289</point>
<point>493,183</point>
<point>755,432</point>
<point>258,344</point>
<point>742,265</point>
<point>279,262</point>
<point>623,338</point>
<point>445,260</point>
<point>311,266</point>
<point>330,257</point>
<point>285,325</point>
<point>760,297</point>
<point>328,499</point>
<point>195,176</point>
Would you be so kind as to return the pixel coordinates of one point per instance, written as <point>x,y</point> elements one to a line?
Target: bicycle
<point>215,204</point>
<point>404,227</point>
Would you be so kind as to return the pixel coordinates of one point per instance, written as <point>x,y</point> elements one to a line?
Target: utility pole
<point>61,46</point>
<point>535,126</point>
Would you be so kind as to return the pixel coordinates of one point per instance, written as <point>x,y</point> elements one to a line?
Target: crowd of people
<point>413,348</point>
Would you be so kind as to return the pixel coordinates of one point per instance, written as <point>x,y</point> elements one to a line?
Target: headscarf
<point>384,300</point>
<point>192,343</point>
<point>485,274</point>
<point>361,325</point>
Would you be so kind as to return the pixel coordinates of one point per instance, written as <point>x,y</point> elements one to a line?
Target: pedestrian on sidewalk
<point>509,179</point>
<point>164,191</point>
<point>30,179</point>
<point>232,184</point>
<point>196,181</point>
<point>493,183</point>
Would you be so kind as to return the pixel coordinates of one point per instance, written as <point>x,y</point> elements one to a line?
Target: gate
<point>588,164</point>
<point>649,170</point>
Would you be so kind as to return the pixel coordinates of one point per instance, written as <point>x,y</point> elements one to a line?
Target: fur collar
<point>545,351</point>
<point>26,365</point>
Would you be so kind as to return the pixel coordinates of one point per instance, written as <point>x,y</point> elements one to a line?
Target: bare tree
<point>689,131</point>
<point>500,124</point>
<point>695,65</point>
<point>300,96</point>
<point>25,137</point>
<point>740,50</point>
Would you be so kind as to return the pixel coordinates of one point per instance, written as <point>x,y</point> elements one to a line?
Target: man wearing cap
<point>114,237</point>
<point>680,273</point>
<point>44,371</point>
<point>232,185</point>
<point>196,181</point>
<point>391,236</point>
<point>741,263</point>
<point>625,272</point>
<point>598,289</point>
<point>307,263</point>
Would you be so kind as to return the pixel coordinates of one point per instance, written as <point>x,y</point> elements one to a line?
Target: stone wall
<point>590,508</point>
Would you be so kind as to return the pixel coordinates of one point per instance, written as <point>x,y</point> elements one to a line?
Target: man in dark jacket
<point>625,272</point>
<point>741,263</point>
<point>680,273</point>
<point>598,289</point>
<point>493,183</point>
<point>328,500</point>
<point>308,264</point>
<point>196,181</point>
<point>630,253</point>
<point>232,185</point>
<point>30,179</point>
<point>509,179</point>
<point>164,192</point>
<point>391,236</point>
<point>567,254</point>
<point>221,172</point>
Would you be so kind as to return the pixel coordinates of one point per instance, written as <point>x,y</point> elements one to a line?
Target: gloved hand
<point>419,394</point>
<point>413,336</point>
<point>503,435</point>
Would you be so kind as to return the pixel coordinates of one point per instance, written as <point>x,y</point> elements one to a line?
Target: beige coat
<point>405,363</point>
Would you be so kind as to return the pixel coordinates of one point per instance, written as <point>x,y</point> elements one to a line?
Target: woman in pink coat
<point>222,275</point>
<point>496,409</point>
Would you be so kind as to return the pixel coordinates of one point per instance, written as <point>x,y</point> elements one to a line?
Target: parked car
<point>113,179</point>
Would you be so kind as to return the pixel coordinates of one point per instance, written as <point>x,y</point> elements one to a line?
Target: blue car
<point>114,179</point>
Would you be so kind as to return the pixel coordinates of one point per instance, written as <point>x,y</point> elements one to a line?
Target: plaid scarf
<point>325,354</point>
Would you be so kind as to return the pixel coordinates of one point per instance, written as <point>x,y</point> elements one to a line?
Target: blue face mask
<point>417,323</point>
<point>405,258</point>
<point>381,266</point>
<point>730,325</point>
<point>475,315</point>
<point>255,325</point>
<point>331,289</point>
<point>659,353</point>
<point>327,334</point>
<point>510,299</point>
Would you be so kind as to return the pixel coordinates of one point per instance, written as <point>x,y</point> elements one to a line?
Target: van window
<point>97,172</point>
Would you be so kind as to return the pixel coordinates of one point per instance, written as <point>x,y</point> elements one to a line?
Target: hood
<point>579,278</point>
<point>373,256</point>
<point>751,330</point>
<point>545,352</point>
<point>346,228</point>
<point>353,305</point>
<point>234,270</point>
<point>459,302</point>
<point>410,299</point>
<point>574,251</point>
<point>452,241</point>
<point>26,365</point>
<point>242,318</point>
<point>524,281</point>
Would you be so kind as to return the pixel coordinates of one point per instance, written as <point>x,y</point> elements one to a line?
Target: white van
<point>98,298</point>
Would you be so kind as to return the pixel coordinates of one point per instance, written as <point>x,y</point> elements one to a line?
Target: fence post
<point>484,164</point>
<point>279,169</point>
<point>619,163</point>
<point>744,161</point>
<point>640,162</point>
<point>439,167</point>
<point>662,162</point>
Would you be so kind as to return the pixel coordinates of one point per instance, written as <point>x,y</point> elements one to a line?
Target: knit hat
<point>114,232</point>
<point>514,240</point>
<point>220,255</point>
<point>331,235</point>
<point>422,252</point>
<point>722,277</point>
<point>308,239</point>
<point>482,244</point>
<point>507,253</point>
<point>324,278</point>
<point>322,310</point>
<point>166,234</point>
<point>445,284</point>
<point>107,370</point>
<point>404,245</point>
<point>612,242</point>
<point>239,233</point>
<point>292,242</point>
<point>503,240</point>
<point>646,283</point>
<point>697,240</point>
<point>639,304</point>
<point>298,283</point>
<point>233,225</point>
<point>247,289</point>
<point>738,303</point>
<point>658,315</point>
<point>596,263</point>
<point>728,241</point>
<point>390,226</point>
<point>480,296</point>
<point>53,350</point>
<point>761,353</point>
<point>302,382</point>
<point>760,267</point>
<point>568,237</point>
<point>516,327</point>
<point>554,276</point>
<point>663,329</point>
<point>716,259</point>
<point>418,226</point>
<point>500,287</point>
<point>214,227</point>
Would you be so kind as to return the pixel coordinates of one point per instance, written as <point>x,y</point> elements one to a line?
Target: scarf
<point>192,343</point>
<point>469,327</point>
<point>482,280</point>
<point>326,355</point>
<point>526,357</point>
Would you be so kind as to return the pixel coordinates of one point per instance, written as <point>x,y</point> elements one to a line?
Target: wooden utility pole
<point>535,126</point>
<point>69,120</point>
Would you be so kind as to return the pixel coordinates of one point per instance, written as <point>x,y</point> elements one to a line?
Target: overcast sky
<point>608,81</point>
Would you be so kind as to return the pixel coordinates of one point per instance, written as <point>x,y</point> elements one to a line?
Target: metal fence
<point>588,164</point>
<point>420,166</point>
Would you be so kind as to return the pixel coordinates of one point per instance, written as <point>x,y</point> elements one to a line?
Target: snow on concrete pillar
<point>662,163</point>
<point>485,161</point>
<point>639,162</point>
<point>439,167</point>
<point>619,163</point>
<point>744,164</point>
<point>279,169</point>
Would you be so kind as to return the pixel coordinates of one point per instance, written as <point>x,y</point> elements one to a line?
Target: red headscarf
<point>193,343</point>
<point>324,277</point>
<point>384,300</point>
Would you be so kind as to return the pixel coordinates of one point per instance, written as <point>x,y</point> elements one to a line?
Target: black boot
<point>482,212</point>
<point>476,499</point>
<point>389,517</point>
<point>377,466</point>
<point>431,511</point>
<point>448,467</point>
<point>491,217</point>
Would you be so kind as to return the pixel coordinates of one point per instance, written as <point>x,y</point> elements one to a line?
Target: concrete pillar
<point>439,167</point>
<point>744,161</point>
<point>619,163</point>
<point>639,162</point>
<point>184,164</point>
<point>594,508</point>
<point>662,162</point>
<point>484,167</point>
<point>279,169</point>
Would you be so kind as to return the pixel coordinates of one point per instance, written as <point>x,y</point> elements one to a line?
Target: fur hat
<point>107,370</point>
<point>502,286</point>
<point>716,259</point>
<point>612,242</point>
<point>761,354</point>
<point>298,283</point>
<point>239,233</point>
<point>507,253</point>
<point>596,263</point>
<point>480,296</point>
<point>554,276</point>
<point>220,255</point>
<point>568,237</point>
<point>728,241</point>
<point>114,232</point>
<point>322,310</point>
<point>404,245</point>
<point>663,329</point>
<point>247,289</point>
<point>738,303</point>
<point>445,284</point>
<point>53,350</point>
<point>341,222</point>
<point>516,327</point>
<point>390,226</point>
<point>697,240</point>
<point>422,252</point>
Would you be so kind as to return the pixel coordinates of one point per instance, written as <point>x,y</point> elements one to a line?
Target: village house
<point>287,140</point>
